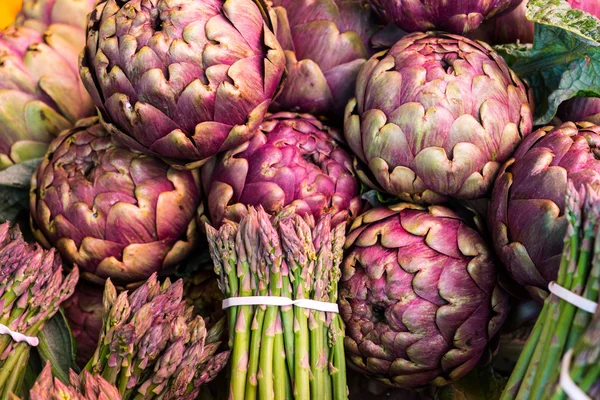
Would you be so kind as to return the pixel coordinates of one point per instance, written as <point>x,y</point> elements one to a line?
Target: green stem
<point>279,366</point>
<point>255,343</point>
<point>338,375</point>
<point>239,356</point>
<point>301,356</point>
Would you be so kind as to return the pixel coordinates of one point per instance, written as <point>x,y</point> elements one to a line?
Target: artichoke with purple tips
<point>325,43</point>
<point>526,214</point>
<point>581,109</point>
<point>419,296</point>
<point>456,16</point>
<point>181,79</point>
<point>40,90</point>
<point>292,160</point>
<point>113,212</point>
<point>435,117</point>
<point>40,14</point>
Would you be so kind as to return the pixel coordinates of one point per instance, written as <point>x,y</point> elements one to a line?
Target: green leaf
<point>564,61</point>
<point>58,346</point>
<point>14,188</point>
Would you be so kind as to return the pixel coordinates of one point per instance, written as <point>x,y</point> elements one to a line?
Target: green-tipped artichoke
<point>40,90</point>
<point>113,212</point>
<point>435,117</point>
<point>181,79</point>
<point>419,295</point>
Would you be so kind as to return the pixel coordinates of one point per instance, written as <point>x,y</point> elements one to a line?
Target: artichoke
<point>457,16</point>
<point>419,295</point>
<point>181,79</point>
<point>515,26</point>
<point>581,109</point>
<point>436,116</point>
<point>83,310</point>
<point>202,292</point>
<point>325,43</point>
<point>40,90</point>
<point>40,14</point>
<point>293,160</point>
<point>526,214</point>
<point>113,212</point>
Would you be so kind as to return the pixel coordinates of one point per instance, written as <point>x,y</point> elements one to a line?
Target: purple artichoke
<point>40,14</point>
<point>113,212</point>
<point>436,116</point>
<point>456,16</point>
<point>292,160</point>
<point>84,313</point>
<point>581,109</point>
<point>181,79</point>
<point>40,90</point>
<point>526,214</point>
<point>515,26</point>
<point>419,296</point>
<point>325,43</point>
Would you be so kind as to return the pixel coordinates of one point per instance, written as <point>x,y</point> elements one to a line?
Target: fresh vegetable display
<point>288,351</point>
<point>419,295</point>
<point>293,161</point>
<point>299,199</point>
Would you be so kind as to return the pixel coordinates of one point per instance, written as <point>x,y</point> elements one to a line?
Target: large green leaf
<point>58,346</point>
<point>564,61</point>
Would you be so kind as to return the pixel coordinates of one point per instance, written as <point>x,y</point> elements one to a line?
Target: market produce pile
<point>300,199</point>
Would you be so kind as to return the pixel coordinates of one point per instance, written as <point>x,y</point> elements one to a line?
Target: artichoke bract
<point>113,212</point>
<point>40,90</point>
<point>39,14</point>
<point>325,43</point>
<point>455,16</point>
<point>419,295</point>
<point>83,310</point>
<point>526,214</point>
<point>182,80</point>
<point>581,109</point>
<point>292,160</point>
<point>436,116</point>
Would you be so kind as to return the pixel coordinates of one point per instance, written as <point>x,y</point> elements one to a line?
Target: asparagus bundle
<point>282,351</point>
<point>584,363</point>
<point>152,347</point>
<point>561,323</point>
<point>32,288</point>
<point>84,387</point>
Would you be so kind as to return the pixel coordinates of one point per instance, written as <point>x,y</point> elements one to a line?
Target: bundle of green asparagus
<point>32,288</point>
<point>561,322</point>
<point>282,351</point>
<point>582,364</point>
<point>152,347</point>
<point>84,387</point>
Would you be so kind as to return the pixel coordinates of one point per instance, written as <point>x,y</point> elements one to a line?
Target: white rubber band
<point>575,299</point>
<point>19,337</point>
<point>566,383</point>
<point>280,301</point>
